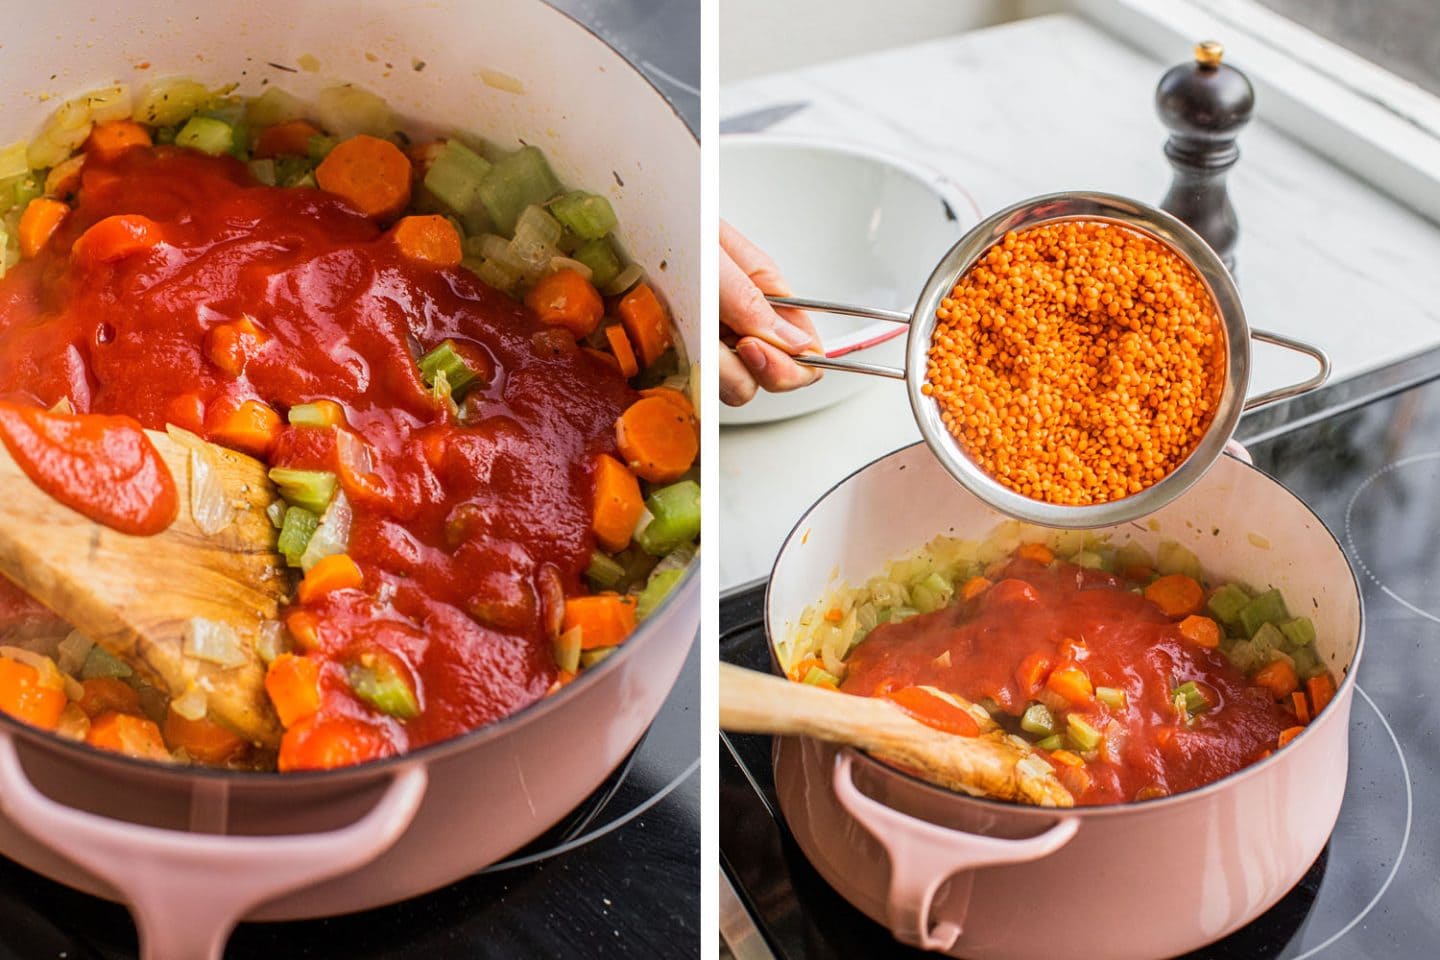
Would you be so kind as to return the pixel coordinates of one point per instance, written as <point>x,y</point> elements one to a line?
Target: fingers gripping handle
<point>833,363</point>
<point>188,890</point>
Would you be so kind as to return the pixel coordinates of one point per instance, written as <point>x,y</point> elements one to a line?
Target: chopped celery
<point>289,171</point>
<point>1227,602</point>
<point>589,658</point>
<point>1195,700</point>
<point>231,112</point>
<point>1111,696</point>
<point>896,614</point>
<point>1307,662</point>
<point>1038,720</point>
<point>1088,559</point>
<point>1268,607</point>
<point>514,183</point>
<point>311,415</point>
<point>458,374</point>
<point>567,649</point>
<point>599,255</point>
<point>454,178</point>
<point>101,663</point>
<point>332,536</point>
<point>604,572</point>
<point>1085,736</point>
<point>263,170</point>
<point>1132,555</point>
<point>276,513</point>
<point>657,588</point>
<point>379,681</point>
<point>818,676</point>
<point>589,215</point>
<point>1300,631</point>
<point>168,103</point>
<point>207,135</point>
<point>295,534</point>
<point>311,489</point>
<point>1053,742</point>
<point>675,510</point>
<point>319,147</point>
<point>1267,641</point>
<point>1245,657</point>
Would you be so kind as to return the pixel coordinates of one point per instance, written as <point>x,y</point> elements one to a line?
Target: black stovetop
<point>618,878</point>
<point>1372,473</point>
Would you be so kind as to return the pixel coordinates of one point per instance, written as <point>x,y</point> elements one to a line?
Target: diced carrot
<point>230,345</point>
<point>291,138</point>
<point>974,587</point>
<point>293,683</point>
<point>429,239</point>
<point>1288,734</point>
<point>1037,552</point>
<point>25,698</point>
<point>203,739</point>
<point>109,694</point>
<point>41,218</point>
<point>187,410</point>
<point>618,504</point>
<point>624,353</point>
<point>324,743</point>
<point>117,237</point>
<point>335,572</point>
<point>1066,758</point>
<point>371,174</point>
<point>1176,595</point>
<point>656,439</point>
<point>1322,690</point>
<point>1301,706</point>
<point>1032,673</point>
<point>604,619</point>
<point>834,615</point>
<point>128,734</point>
<point>646,322</point>
<point>108,139</point>
<point>1201,631</point>
<point>566,299</point>
<point>924,706</point>
<point>1073,684</point>
<point>304,629</point>
<point>1278,676</point>
<point>64,178</point>
<point>798,671</point>
<point>251,427</point>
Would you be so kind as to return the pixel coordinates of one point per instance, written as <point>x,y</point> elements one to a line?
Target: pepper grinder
<point>1204,104</point>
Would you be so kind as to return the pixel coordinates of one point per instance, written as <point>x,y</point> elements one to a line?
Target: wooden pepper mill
<point>1204,104</point>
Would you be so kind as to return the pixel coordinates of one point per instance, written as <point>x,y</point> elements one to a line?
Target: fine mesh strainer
<point>1051,208</point>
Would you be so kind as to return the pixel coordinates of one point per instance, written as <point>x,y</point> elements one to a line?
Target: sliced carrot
<point>1201,631</point>
<point>604,619</point>
<point>798,671</point>
<point>922,705</point>
<point>974,587</point>
<point>335,572</point>
<point>117,237</point>
<point>1073,684</point>
<point>108,139</point>
<point>677,397</point>
<point>371,174</point>
<point>1288,734</point>
<point>1037,552</point>
<point>1067,758</point>
<point>1278,676</point>
<point>293,683</point>
<point>25,698</point>
<point>324,743</point>
<point>291,138</point>
<point>109,694</point>
<point>128,734</point>
<point>250,427</point>
<point>624,353</point>
<point>1322,690</point>
<point>40,220</point>
<point>203,739</point>
<point>646,322</point>
<point>566,299</point>
<point>304,628</point>
<point>429,239</point>
<point>1176,595</point>
<point>656,439</point>
<point>1301,706</point>
<point>231,345</point>
<point>1032,673</point>
<point>618,504</point>
<point>64,178</point>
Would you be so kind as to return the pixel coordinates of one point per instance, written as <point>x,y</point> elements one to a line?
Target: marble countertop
<point>1054,103</point>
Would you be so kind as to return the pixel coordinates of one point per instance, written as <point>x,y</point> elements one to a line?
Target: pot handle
<point>159,871</point>
<point>924,855</point>
<point>848,310</point>
<point>1322,360</point>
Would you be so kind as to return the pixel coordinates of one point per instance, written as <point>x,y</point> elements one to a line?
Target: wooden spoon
<point>134,595</point>
<point>994,764</point>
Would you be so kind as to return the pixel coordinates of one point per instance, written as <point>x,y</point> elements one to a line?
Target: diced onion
<point>73,651</point>
<point>12,161</point>
<point>565,263</point>
<point>348,110</point>
<point>645,519</point>
<point>74,724</point>
<point>109,103</point>
<point>192,704</point>
<point>49,674</point>
<point>624,280</point>
<point>501,81</point>
<point>271,640</point>
<point>353,454</point>
<point>209,505</point>
<point>333,534</point>
<point>213,642</point>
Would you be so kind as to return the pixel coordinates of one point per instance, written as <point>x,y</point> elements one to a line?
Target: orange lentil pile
<point>1077,362</point>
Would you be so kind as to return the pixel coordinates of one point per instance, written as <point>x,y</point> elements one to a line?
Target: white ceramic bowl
<point>843,223</point>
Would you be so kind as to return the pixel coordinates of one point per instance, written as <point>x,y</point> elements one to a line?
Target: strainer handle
<point>1294,389</point>
<point>849,310</point>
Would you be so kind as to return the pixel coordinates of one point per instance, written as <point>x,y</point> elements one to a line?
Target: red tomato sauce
<point>101,466</point>
<point>460,530</point>
<point>1090,619</point>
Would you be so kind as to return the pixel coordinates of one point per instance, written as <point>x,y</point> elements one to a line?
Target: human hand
<point>768,338</point>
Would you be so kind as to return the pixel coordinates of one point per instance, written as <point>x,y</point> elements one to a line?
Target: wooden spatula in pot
<point>134,596</point>
<point>994,764</point>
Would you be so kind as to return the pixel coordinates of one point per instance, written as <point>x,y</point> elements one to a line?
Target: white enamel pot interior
<point>193,851</point>
<point>980,878</point>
